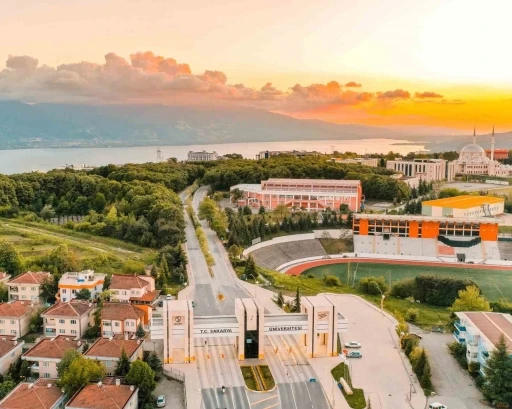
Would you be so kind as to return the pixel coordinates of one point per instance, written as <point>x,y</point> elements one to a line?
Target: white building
<point>202,156</point>
<point>108,351</point>
<point>27,286</point>
<point>71,283</point>
<point>10,351</point>
<point>15,317</point>
<point>428,170</point>
<point>372,162</point>
<point>68,318</point>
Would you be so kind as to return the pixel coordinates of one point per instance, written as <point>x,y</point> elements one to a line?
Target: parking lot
<point>173,392</point>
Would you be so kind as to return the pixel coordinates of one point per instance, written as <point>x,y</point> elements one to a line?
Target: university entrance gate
<point>316,325</point>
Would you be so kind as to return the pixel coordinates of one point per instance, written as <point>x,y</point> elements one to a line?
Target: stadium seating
<point>505,248</point>
<point>492,250</point>
<point>278,254</point>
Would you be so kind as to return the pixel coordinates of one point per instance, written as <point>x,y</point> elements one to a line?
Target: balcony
<point>34,368</point>
<point>459,337</point>
<point>459,326</point>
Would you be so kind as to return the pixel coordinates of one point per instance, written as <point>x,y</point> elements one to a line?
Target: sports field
<point>494,284</point>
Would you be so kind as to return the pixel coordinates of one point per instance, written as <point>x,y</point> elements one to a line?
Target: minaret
<point>492,145</point>
<point>474,135</point>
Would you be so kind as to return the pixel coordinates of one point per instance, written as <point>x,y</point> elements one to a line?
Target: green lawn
<point>267,376</point>
<point>337,246</point>
<point>495,284</point>
<point>356,400</point>
<point>250,382</point>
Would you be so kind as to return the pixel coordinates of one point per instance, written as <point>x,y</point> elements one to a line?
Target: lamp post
<point>382,298</point>
<point>255,281</point>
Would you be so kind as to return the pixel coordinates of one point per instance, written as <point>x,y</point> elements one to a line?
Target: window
<point>13,331</point>
<point>73,322</point>
<point>108,364</point>
<point>33,288</point>
<point>46,375</point>
<point>64,291</point>
<point>73,331</point>
<point>62,321</point>
<point>61,331</point>
<point>13,322</point>
<point>2,321</point>
<point>116,324</point>
<point>22,288</point>
<point>2,331</point>
<point>46,364</point>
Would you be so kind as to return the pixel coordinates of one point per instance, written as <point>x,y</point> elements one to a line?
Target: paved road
<point>454,387</point>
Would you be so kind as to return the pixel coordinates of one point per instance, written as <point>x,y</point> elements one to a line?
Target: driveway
<point>454,387</point>
<point>173,392</point>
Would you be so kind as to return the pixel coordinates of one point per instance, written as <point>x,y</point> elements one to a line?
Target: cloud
<point>427,94</point>
<point>396,94</point>
<point>353,84</point>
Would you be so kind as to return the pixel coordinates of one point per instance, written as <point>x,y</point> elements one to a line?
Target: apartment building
<point>10,351</point>
<point>48,352</point>
<point>41,394</point>
<point>137,290</point>
<point>480,332</point>
<point>372,162</point>
<point>202,156</point>
<point>27,286</point>
<point>294,153</point>
<point>15,317</point>
<point>108,350</point>
<point>68,318</point>
<point>120,318</point>
<point>428,170</point>
<point>110,393</point>
<point>71,283</point>
<point>306,194</point>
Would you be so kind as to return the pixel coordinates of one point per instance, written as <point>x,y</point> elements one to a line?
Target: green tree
<point>164,270</point>
<point>419,366</point>
<point>280,299</point>
<point>107,282</point>
<point>123,365</point>
<point>470,299</point>
<point>426,377</point>
<point>49,289</point>
<point>142,376</point>
<point>140,333</point>
<point>154,362</point>
<point>497,387</point>
<point>47,212</point>
<point>236,195</point>
<point>296,301</point>
<point>262,210</point>
<point>246,211</point>
<point>83,294</point>
<point>25,370</point>
<point>235,251</point>
<point>250,267</point>
<point>10,260</point>
<point>207,209</point>
<point>80,372</point>
<point>6,386</point>
<point>3,293</point>
<point>36,321</point>
<point>68,357</point>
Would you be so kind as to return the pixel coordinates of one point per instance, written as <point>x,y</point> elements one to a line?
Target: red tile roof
<point>37,396</point>
<point>492,325</point>
<point>104,396</point>
<point>75,308</point>
<point>30,278</point>
<point>127,282</point>
<point>112,347</point>
<point>52,348</point>
<point>149,296</point>
<point>7,344</point>
<point>120,311</point>
<point>15,308</point>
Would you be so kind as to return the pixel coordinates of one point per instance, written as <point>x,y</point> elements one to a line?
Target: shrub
<point>474,369</point>
<point>404,288</point>
<point>332,281</point>
<point>437,290</point>
<point>412,314</point>
<point>459,352</point>
<point>371,285</point>
<point>409,344</point>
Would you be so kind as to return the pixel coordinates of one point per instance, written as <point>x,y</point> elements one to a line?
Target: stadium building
<point>464,206</point>
<point>307,194</point>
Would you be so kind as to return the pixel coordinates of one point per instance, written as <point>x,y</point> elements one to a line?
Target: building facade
<point>15,317</point>
<point>428,170</point>
<point>306,194</point>
<point>464,206</point>
<point>120,319</point>
<point>372,162</point>
<point>27,286</point>
<point>108,351</point>
<point>10,350</point>
<point>41,394</point>
<point>499,154</point>
<point>71,283</point>
<point>68,318</point>
<point>202,156</point>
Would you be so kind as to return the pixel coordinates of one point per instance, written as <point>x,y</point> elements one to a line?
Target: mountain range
<point>51,125</point>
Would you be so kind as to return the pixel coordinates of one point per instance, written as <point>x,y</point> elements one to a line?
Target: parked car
<point>352,344</point>
<point>355,354</point>
<point>169,297</point>
<point>161,303</point>
<point>437,405</point>
<point>160,401</point>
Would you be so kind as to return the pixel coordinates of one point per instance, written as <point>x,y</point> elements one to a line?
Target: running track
<point>300,268</point>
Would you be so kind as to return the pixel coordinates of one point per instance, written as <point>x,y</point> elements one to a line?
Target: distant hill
<point>65,125</point>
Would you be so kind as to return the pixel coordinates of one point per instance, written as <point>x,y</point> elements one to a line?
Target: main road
<point>216,361</point>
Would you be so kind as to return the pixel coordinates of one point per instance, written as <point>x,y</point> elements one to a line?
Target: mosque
<point>474,161</point>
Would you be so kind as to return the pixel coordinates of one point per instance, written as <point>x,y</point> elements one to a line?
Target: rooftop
<point>464,202</point>
<point>148,297</point>
<point>322,182</point>
<point>52,348</point>
<point>82,278</point>
<point>127,282</point>
<point>112,347</point>
<point>42,394</point>
<point>420,218</point>
<point>15,308</point>
<point>75,308</point>
<point>30,278</point>
<point>120,311</point>
<point>492,325</point>
<point>102,395</point>
<point>7,344</point>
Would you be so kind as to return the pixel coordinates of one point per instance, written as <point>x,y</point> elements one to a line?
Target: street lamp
<point>382,298</point>
<point>256,283</point>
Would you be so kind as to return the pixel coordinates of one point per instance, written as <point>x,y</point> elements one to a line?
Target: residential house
<point>42,394</point>
<point>27,286</point>
<point>10,351</point>
<point>68,318</point>
<point>120,318</point>
<point>71,283</point>
<point>480,332</point>
<point>48,352</point>
<point>138,290</point>
<point>110,393</point>
<point>108,351</point>
<point>15,317</point>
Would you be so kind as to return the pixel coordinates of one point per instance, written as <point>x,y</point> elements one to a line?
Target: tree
<point>470,299</point>
<point>123,365</point>
<point>140,333</point>
<point>164,270</point>
<point>419,365</point>
<point>6,386</point>
<point>250,267</point>
<point>69,356</point>
<point>80,372</point>
<point>425,380</point>
<point>142,376</point>
<point>107,282</point>
<point>154,362</point>
<point>235,251</point>
<point>49,289</point>
<point>36,321</point>
<point>83,294</point>
<point>47,212</point>
<point>10,260</point>
<point>498,375</point>
<point>281,211</point>
<point>246,211</point>
<point>280,299</point>
<point>3,293</point>
<point>296,301</point>
<point>236,195</point>
<point>262,210</point>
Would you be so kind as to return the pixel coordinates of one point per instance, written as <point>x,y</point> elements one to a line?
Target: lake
<point>27,160</point>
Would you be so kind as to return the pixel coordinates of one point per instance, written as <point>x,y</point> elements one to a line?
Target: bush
<point>412,315</point>
<point>437,290</point>
<point>404,288</point>
<point>459,352</point>
<point>332,281</point>
<point>371,285</point>
<point>474,369</point>
<point>409,344</point>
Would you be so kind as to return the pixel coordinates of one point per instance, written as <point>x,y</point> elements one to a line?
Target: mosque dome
<point>472,148</point>
<point>473,154</point>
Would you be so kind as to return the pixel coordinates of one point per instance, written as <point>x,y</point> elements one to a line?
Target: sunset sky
<point>443,63</point>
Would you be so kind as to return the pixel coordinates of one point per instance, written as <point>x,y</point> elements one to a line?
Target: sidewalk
<point>192,387</point>
<point>322,368</point>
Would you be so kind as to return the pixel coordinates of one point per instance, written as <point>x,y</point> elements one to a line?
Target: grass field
<point>495,284</point>
<point>34,240</point>
<point>337,246</point>
<point>356,400</point>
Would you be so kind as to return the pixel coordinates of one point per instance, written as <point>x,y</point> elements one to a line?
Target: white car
<point>437,405</point>
<point>160,401</point>
<point>352,344</point>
